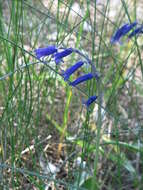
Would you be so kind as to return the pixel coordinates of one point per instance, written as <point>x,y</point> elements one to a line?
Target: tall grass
<point>43,120</point>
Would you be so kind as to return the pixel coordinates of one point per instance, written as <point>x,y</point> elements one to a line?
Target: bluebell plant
<point>58,56</point>
<point>124,30</point>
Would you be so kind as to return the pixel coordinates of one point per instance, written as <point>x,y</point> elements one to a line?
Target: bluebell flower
<point>90,100</point>
<point>58,56</point>
<point>122,31</point>
<point>82,79</point>
<point>136,31</point>
<point>40,52</point>
<point>72,69</point>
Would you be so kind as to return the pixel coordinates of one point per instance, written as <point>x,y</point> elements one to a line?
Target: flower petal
<point>82,79</point>
<point>58,56</point>
<point>136,31</point>
<point>40,52</point>
<point>72,69</point>
<point>122,31</point>
<point>90,100</point>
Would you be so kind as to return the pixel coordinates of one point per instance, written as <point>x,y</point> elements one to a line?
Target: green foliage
<point>40,111</point>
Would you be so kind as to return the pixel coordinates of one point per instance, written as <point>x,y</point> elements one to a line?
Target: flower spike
<point>72,69</point>
<point>82,79</point>
<point>122,31</point>
<point>40,52</point>
<point>58,56</point>
<point>90,100</point>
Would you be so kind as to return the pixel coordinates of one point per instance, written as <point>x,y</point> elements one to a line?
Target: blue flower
<point>40,52</point>
<point>136,31</point>
<point>122,31</point>
<point>90,100</point>
<point>58,56</point>
<point>72,69</point>
<point>82,79</point>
